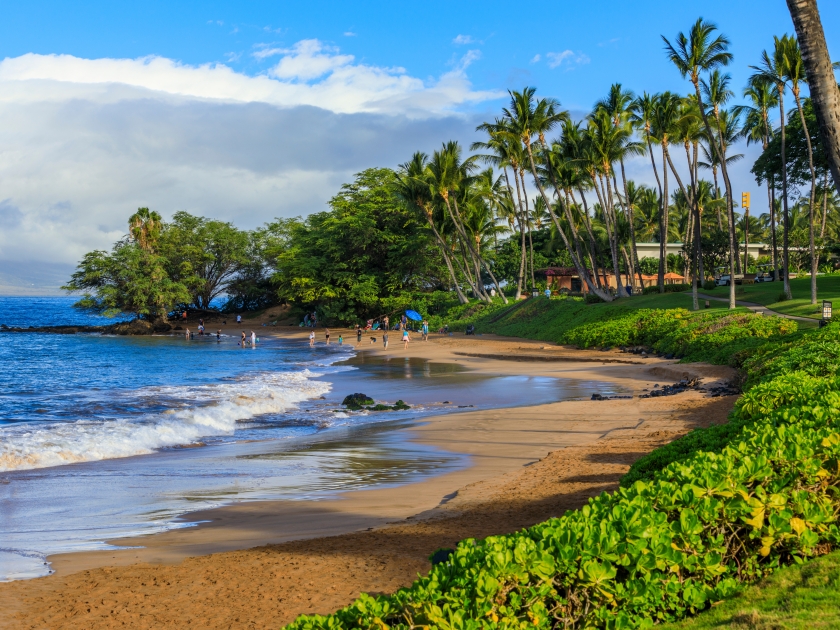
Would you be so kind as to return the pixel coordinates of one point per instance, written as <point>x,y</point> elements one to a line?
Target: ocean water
<point>103,437</point>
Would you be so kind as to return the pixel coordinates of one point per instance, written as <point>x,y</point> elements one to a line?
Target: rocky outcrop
<point>134,327</point>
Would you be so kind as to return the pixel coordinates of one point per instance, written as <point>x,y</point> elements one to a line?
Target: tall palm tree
<point>504,150</point>
<point>619,105</point>
<point>772,69</point>
<point>762,96</point>
<point>646,202</point>
<point>822,84</point>
<point>703,51</point>
<point>665,118</point>
<point>533,118</point>
<point>412,186</point>
<point>794,74</point>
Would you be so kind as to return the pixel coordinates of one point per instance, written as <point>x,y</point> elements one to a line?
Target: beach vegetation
<point>725,510</point>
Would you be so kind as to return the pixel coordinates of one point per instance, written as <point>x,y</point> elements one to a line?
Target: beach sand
<point>261,564</point>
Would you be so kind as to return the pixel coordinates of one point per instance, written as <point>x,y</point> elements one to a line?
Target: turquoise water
<point>103,437</point>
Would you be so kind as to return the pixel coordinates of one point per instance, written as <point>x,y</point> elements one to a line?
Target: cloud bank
<point>84,142</point>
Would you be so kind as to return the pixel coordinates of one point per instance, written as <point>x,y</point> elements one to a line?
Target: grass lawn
<point>805,596</point>
<point>767,293</point>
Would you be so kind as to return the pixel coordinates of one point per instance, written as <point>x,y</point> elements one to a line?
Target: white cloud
<point>349,34</point>
<point>536,59</point>
<point>84,142</point>
<point>462,40</point>
<point>308,73</point>
<point>567,57</point>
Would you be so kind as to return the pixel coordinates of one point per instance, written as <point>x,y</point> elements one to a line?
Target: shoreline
<point>503,444</point>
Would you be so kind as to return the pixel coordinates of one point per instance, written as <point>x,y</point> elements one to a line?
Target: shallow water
<point>105,437</point>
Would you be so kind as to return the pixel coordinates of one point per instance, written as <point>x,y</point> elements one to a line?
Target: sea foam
<point>195,413</point>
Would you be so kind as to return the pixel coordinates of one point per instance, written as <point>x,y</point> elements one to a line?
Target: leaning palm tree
<point>413,188</point>
<point>762,96</point>
<point>532,119</point>
<point>703,51</point>
<point>822,84</point>
<point>772,69</point>
<point>794,74</point>
<point>665,119</point>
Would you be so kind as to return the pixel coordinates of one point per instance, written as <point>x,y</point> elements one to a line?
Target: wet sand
<point>263,563</point>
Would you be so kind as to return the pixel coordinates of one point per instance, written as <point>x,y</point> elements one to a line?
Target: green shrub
<point>652,551</point>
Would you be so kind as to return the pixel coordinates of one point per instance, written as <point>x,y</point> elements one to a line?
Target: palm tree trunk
<point>722,159</point>
<point>481,293</point>
<point>528,223</point>
<point>605,199</point>
<point>461,297</point>
<point>771,197</point>
<point>822,83</point>
<point>824,206</point>
<point>520,275</point>
<point>691,228</point>
<point>812,199</point>
<point>663,221</point>
<point>593,245</point>
<point>581,269</point>
<point>785,212</point>
<point>634,254</point>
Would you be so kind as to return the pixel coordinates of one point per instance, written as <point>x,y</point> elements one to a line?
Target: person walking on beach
<point>238,319</point>
<point>312,339</point>
<point>385,322</point>
<point>406,338</point>
<point>385,338</point>
<point>340,340</point>
<point>425,330</point>
<point>327,332</point>
<point>358,334</point>
<point>219,335</point>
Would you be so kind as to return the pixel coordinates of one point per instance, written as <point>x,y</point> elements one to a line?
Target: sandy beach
<point>260,564</point>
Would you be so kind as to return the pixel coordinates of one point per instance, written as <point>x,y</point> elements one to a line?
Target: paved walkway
<point>757,308</point>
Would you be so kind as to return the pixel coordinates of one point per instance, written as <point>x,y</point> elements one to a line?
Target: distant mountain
<point>33,278</point>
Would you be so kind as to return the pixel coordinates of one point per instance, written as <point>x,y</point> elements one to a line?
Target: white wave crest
<point>206,411</point>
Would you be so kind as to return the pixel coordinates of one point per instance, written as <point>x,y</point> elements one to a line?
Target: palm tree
<point>529,119</point>
<point>821,81</point>
<point>619,105</point>
<point>702,51</point>
<point>794,74</point>
<point>665,117</point>
<point>413,187</point>
<point>506,150</point>
<point>763,96</point>
<point>772,70</point>
<point>144,227</point>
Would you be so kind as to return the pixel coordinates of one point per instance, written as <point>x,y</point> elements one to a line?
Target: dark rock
<point>357,400</point>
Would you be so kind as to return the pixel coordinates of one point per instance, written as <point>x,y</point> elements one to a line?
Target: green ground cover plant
<point>768,294</point>
<point>720,509</point>
<point>799,597</point>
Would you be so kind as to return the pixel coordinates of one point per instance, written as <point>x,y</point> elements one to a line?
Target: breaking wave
<point>193,414</point>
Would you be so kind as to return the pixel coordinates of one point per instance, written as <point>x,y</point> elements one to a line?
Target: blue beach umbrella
<point>413,315</point>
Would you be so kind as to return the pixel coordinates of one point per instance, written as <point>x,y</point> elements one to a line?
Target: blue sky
<point>249,111</point>
<point>610,40</point>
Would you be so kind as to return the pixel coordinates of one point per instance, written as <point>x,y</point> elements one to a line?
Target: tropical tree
<point>822,83</point>
<point>762,96</point>
<point>704,51</point>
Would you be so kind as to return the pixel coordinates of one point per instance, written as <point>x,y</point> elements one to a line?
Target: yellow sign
<point>745,200</point>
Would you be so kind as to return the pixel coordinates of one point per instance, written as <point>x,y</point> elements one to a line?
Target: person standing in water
<point>187,334</point>
<point>340,340</point>
<point>385,322</point>
<point>312,339</point>
<point>219,335</point>
<point>239,319</point>
<point>406,338</point>
<point>242,341</point>
<point>327,332</point>
<point>385,338</point>
<point>253,339</point>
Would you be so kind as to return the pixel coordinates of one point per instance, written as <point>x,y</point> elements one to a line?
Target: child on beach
<point>385,338</point>
<point>340,340</point>
<point>187,334</point>
<point>312,339</point>
<point>425,330</point>
<point>406,338</point>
